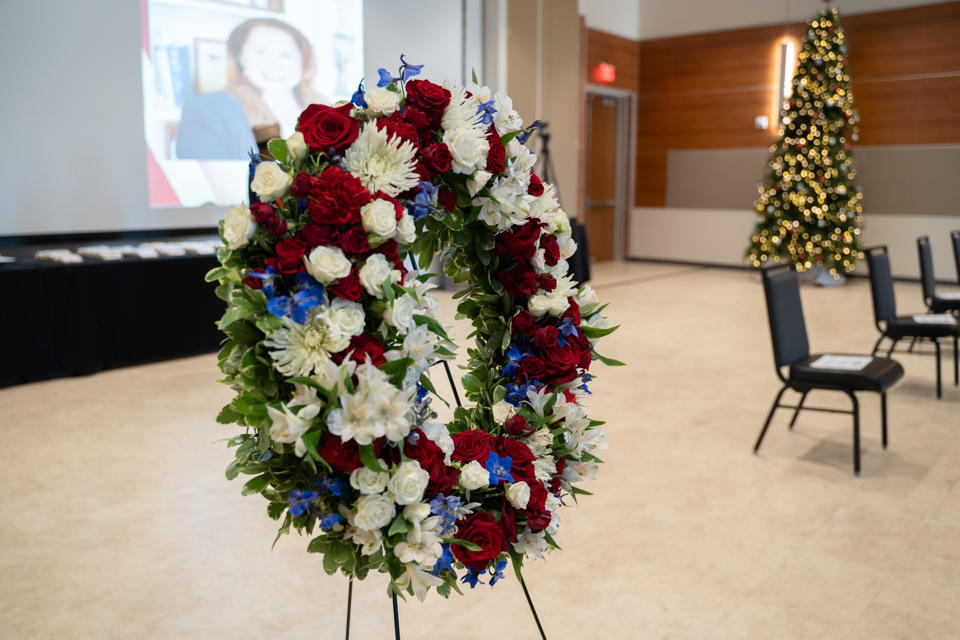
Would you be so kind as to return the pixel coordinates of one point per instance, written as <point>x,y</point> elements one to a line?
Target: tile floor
<point>116,520</point>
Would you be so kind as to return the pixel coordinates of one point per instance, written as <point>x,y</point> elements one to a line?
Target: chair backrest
<point>955,237</point>
<point>881,284</point>
<point>926,268</point>
<point>787,328</point>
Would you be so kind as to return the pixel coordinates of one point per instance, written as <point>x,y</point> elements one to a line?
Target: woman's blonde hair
<point>258,113</point>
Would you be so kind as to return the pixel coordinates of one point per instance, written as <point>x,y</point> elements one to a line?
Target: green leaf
<point>256,485</point>
<point>473,74</point>
<point>517,561</point>
<point>217,273</point>
<point>399,525</point>
<point>580,492</point>
<point>269,323</point>
<point>320,544</point>
<point>369,458</point>
<point>505,139</point>
<point>330,565</point>
<point>596,332</point>
<point>232,470</point>
<point>610,362</point>
<point>550,540</point>
<point>470,546</point>
<point>471,384</point>
<point>276,509</point>
<point>228,415</point>
<point>278,149</point>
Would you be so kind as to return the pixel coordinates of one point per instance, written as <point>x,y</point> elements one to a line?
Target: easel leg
<point>396,619</point>
<point>532,609</point>
<point>349,604</point>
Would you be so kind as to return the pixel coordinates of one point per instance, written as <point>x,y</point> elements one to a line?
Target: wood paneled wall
<point>703,91</point>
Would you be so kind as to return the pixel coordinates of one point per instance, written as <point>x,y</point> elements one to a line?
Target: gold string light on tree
<point>809,206</point>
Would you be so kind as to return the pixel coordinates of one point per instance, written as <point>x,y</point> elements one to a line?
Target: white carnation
<point>238,226</point>
<point>374,512</point>
<point>473,476</point>
<point>380,218</point>
<point>408,483</point>
<point>270,181</point>
<point>327,264</point>
<point>382,101</point>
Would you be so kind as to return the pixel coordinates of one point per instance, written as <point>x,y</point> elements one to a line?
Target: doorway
<point>608,170</point>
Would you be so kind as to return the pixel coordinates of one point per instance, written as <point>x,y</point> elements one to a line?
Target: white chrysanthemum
<point>380,163</point>
<point>298,349</point>
<point>461,113</point>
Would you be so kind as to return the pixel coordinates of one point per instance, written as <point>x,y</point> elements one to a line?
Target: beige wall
<point>542,77</point>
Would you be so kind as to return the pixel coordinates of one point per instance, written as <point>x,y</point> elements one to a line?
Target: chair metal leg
<point>876,346</point>
<point>936,343</point>
<point>856,432</point>
<point>956,365</point>
<point>893,346</point>
<point>912,344</point>
<point>883,416</point>
<point>763,432</point>
<point>797,410</point>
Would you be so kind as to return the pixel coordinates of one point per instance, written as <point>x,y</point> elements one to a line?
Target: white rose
<point>474,476</point>
<point>587,295</point>
<point>468,149</point>
<point>408,483</point>
<point>238,226</point>
<point>558,304</point>
<point>538,304</point>
<point>327,264</point>
<point>374,512</point>
<point>400,314</point>
<point>502,411</point>
<point>477,181</point>
<point>269,181</point>
<point>381,100</point>
<point>374,271</point>
<point>406,230</point>
<point>379,217</point>
<point>296,147</point>
<point>518,494</point>
<point>368,481</point>
<point>346,316</point>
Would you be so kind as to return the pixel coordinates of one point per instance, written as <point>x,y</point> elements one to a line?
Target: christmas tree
<point>809,207</point>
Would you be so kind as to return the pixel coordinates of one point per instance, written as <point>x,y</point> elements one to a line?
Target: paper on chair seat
<point>935,318</point>
<point>949,295</point>
<point>844,363</point>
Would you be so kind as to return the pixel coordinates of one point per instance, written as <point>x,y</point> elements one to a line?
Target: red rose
<point>336,197</point>
<point>430,98</point>
<point>546,337</point>
<point>324,127</point>
<point>516,425</point>
<point>430,457</point>
<point>261,211</point>
<point>573,312</point>
<point>289,256</point>
<point>348,287</point>
<point>275,225</point>
<point>555,482</point>
<point>523,459</point>
<point>551,250</point>
<point>523,323</point>
<point>520,242</point>
<point>535,188</point>
<point>546,282</point>
<point>482,530</point>
<point>532,368</point>
<point>521,280</point>
<point>508,524</point>
<point>353,241</point>
<point>447,200</point>
<point>497,155</point>
<point>435,158</point>
<point>538,518</point>
<point>301,185</point>
<point>471,445</point>
<point>361,347</point>
<point>560,364</point>
<point>314,234</point>
<point>342,456</point>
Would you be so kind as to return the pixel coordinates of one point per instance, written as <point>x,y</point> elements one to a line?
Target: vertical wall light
<point>787,62</point>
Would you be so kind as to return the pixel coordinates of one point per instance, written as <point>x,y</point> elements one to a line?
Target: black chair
<point>897,327</point>
<point>955,240</point>
<point>935,303</point>
<point>791,349</point>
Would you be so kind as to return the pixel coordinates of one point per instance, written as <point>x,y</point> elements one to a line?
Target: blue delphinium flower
<point>267,277</point>
<point>422,392</point>
<point>279,306</point>
<point>586,377</point>
<point>517,393</point>
<point>300,501</point>
<point>333,485</point>
<point>421,205</point>
<point>385,77</point>
<point>357,97</point>
<point>255,159</point>
<point>524,135</point>
<point>499,468</point>
<point>567,329</point>
<point>472,578</point>
<point>445,507</point>
<point>328,521</point>
<point>444,562</point>
<point>497,573</point>
<point>514,356</point>
<point>408,70</point>
<point>487,111</point>
<point>413,438</point>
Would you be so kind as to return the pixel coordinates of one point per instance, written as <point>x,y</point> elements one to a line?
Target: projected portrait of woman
<point>270,67</point>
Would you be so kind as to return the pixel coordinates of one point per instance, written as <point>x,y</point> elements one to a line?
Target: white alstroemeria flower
<point>531,545</point>
<point>382,164</point>
<point>369,541</point>
<point>506,119</point>
<point>419,580</point>
<point>438,433</point>
<point>478,181</point>
<point>576,471</point>
<point>287,426</point>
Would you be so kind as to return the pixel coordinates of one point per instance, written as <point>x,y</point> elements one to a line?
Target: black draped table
<point>63,320</point>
